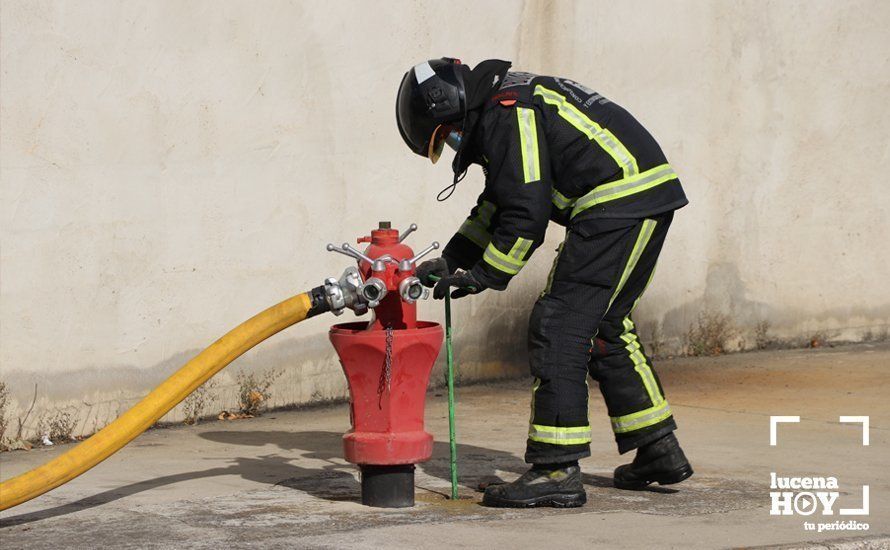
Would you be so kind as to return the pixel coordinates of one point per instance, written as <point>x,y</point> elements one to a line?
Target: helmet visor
<point>415,122</point>
<point>437,142</point>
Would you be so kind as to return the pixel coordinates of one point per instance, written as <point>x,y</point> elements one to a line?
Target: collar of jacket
<point>479,85</point>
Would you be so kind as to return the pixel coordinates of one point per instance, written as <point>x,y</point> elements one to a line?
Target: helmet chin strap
<point>446,193</point>
<point>456,141</point>
<point>478,84</point>
<point>455,144</point>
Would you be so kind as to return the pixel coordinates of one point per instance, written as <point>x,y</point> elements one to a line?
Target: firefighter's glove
<point>463,282</point>
<point>431,271</point>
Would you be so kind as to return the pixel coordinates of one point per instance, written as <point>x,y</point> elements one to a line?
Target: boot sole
<point>573,500</point>
<point>669,478</point>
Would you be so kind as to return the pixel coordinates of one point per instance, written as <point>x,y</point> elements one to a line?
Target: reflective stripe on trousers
<point>660,410</point>
<point>556,435</point>
<point>641,419</point>
<point>635,253</point>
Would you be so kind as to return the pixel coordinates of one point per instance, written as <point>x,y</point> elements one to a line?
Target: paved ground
<point>279,481</point>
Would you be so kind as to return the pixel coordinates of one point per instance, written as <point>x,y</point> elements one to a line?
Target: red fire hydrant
<point>387,362</point>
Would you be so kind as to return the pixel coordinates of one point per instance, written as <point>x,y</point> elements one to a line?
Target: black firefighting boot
<point>661,461</point>
<point>556,485</point>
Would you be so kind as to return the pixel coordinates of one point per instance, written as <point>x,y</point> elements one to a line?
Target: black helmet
<point>431,102</point>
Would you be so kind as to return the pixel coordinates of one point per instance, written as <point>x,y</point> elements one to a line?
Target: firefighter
<point>553,149</point>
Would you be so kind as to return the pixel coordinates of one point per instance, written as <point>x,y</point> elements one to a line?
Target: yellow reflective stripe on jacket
<point>528,140</point>
<point>642,419</point>
<point>509,263</point>
<point>476,228</point>
<point>472,231</point>
<point>625,187</point>
<point>603,137</point>
<point>556,435</point>
<point>560,200</point>
<point>485,212</point>
<point>615,190</point>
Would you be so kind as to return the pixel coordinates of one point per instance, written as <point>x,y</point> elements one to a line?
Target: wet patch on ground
<point>327,502</point>
<point>335,505</point>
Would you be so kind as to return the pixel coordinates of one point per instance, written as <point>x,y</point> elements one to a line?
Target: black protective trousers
<point>582,325</point>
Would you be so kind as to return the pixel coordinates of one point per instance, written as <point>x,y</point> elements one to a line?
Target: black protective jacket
<point>553,149</point>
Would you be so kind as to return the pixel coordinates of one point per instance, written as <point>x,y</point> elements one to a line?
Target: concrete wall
<point>170,168</point>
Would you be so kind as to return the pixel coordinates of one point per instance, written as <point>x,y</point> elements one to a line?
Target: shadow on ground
<point>334,480</point>
<point>477,464</point>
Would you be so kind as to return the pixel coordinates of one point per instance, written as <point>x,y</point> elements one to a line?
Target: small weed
<point>196,404</point>
<point>253,391</point>
<point>59,427</point>
<point>709,334</point>
<point>18,442</point>
<point>656,341</point>
<point>762,339</point>
<point>4,401</point>
<point>817,340</point>
<point>875,335</point>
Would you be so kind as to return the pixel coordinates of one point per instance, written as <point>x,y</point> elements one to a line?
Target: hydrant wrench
<point>449,377</point>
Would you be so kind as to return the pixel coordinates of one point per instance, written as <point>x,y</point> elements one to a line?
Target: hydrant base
<point>388,486</point>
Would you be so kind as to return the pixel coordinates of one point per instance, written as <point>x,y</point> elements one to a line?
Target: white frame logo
<point>805,496</point>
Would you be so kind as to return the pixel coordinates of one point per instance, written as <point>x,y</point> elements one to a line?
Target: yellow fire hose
<point>156,404</point>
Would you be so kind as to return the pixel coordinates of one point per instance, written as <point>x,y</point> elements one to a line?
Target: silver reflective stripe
<point>559,436</point>
<point>560,200</point>
<point>642,419</point>
<point>520,248</point>
<point>471,230</point>
<point>476,228</point>
<point>624,187</point>
<point>509,263</point>
<point>423,71</point>
<point>642,368</point>
<point>528,138</point>
<point>643,237</point>
<point>492,257</point>
<point>591,129</point>
<point>553,269</point>
<point>640,362</point>
<point>486,211</point>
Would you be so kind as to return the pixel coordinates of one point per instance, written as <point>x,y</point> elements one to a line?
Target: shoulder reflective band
<point>643,419</point>
<point>508,263</point>
<point>625,187</point>
<point>476,227</point>
<point>555,435</point>
<point>603,137</point>
<point>528,140</point>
